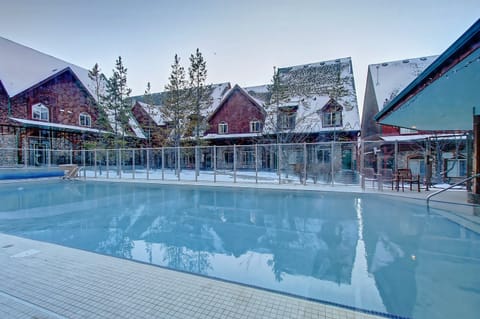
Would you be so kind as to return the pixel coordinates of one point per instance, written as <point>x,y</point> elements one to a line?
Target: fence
<point>328,163</point>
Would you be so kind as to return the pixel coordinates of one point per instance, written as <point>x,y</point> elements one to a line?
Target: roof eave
<point>432,68</point>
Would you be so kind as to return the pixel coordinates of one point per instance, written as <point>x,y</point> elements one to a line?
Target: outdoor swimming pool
<point>357,250</point>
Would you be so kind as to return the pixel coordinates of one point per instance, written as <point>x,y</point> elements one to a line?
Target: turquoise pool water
<point>361,251</point>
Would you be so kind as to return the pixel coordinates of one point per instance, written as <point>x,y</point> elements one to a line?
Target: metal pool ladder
<point>450,187</point>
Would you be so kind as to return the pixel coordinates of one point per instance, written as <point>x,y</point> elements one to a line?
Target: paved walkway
<point>42,281</point>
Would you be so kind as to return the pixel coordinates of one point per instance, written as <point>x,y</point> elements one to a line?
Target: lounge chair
<point>386,175</point>
<point>368,174</point>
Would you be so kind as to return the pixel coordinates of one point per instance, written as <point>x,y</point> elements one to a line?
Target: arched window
<point>222,128</point>
<point>85,119</point>
<point>40,112</point>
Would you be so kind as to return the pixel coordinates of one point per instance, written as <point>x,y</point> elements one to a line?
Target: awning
<point>58,127</point>
<point>446,95</point>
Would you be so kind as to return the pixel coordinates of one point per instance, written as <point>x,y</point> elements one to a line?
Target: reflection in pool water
<point>362,251</point>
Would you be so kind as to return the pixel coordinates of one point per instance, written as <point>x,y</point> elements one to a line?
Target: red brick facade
<point>237,110</point>
<point>64,96</point>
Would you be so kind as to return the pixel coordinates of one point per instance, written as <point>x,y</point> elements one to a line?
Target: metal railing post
<point>234,163</point>
<point>133,164</point>
<point>279,161</point>
<point>214,163</point>
<point>256,164</point>
<point>107,166</point>
<point>196,163</point>
<point>178,162</point>
<point>332,161</point>
<point>148,163</point>
<point>304,163</point>
<point>163,164</point>
<point>95,163</point>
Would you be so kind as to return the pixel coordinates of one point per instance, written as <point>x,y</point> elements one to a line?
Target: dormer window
<point>332,115</point>
<point>222,128</point>
<point>40,112</point>
<point>287,117</point>
<point>85,119</point>
<point>255,126</point>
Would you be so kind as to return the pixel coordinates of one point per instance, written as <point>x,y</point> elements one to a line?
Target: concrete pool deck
<point>42,280</point>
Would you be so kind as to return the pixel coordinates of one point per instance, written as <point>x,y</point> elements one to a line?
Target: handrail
<point>451,186</point>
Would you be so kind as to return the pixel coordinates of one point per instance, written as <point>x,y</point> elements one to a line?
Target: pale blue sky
<point>241,40</point>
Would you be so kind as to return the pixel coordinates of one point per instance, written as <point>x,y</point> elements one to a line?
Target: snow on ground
<point>204,176</point>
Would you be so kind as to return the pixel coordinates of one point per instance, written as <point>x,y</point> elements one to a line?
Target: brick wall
<point>63,95</point>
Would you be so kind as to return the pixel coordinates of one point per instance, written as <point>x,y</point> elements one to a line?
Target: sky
<point>241,40</point>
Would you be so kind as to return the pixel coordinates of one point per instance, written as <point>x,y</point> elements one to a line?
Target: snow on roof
<point>136,127</point>
<point>56,125</point>
<point>416,137</point>
<point>259,93</point>
<point>390,78</point>
<point>22,67</point>
<point>238,135</point>
<point>217,93</point>
<point>153,111</point>
<point>311,86</point>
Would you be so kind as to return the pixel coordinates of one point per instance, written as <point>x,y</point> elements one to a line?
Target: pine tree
<point>175,108</point>
<point>98,88</point>
<point>117,93</point>
<point>198,92</point>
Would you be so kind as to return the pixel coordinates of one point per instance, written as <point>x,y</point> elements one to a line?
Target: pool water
<point>357,250</point>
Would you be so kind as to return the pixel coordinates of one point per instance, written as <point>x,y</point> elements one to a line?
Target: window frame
<point>38,112</point>
<point>85,116</point>
<point>223,128</point>
<point>255,126</point>
<point>332,117</point>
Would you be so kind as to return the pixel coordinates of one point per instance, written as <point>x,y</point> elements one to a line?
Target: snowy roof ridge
<point>316,64</point>
<point>153,111</point>
<point>391,77</point>
<point>22,67</point>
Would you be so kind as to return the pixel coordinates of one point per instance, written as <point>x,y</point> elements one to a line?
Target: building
<point>45,104</point>
<point>445,97</point>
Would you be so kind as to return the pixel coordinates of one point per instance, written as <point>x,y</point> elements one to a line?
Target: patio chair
<point>368,174</point>
<point>386,175</point>
<point>405,175</point>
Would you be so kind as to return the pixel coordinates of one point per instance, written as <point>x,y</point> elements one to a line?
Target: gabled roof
<point>153,111</point>
<point>22,68</point>
<point>312,86</point>
<point>227,95</point>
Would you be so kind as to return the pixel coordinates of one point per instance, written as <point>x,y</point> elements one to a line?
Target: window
<point>228,157</point>
<point>222,128</point>
<point>40,112</point>
<point>332,114</point>
<point>286,120</point>
<point>85,119</point>
<point>332,118</point>
<point>255,126</point>
<point>248,157</point>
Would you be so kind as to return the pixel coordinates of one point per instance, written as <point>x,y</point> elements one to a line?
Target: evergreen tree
<point>175,108</point>
<point>198,92</point>
<point>117,93</point>
<point>98,88</point>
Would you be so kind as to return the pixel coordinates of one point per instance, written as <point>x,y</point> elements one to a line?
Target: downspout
<point>9,105</point>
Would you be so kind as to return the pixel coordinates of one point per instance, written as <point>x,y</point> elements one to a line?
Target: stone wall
<point>8,154</point>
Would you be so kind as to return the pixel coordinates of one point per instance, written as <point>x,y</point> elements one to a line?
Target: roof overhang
<point>446,95</point>
<point>58,127</point>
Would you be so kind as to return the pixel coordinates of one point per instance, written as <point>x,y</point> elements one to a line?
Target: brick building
<point>45,104</point>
